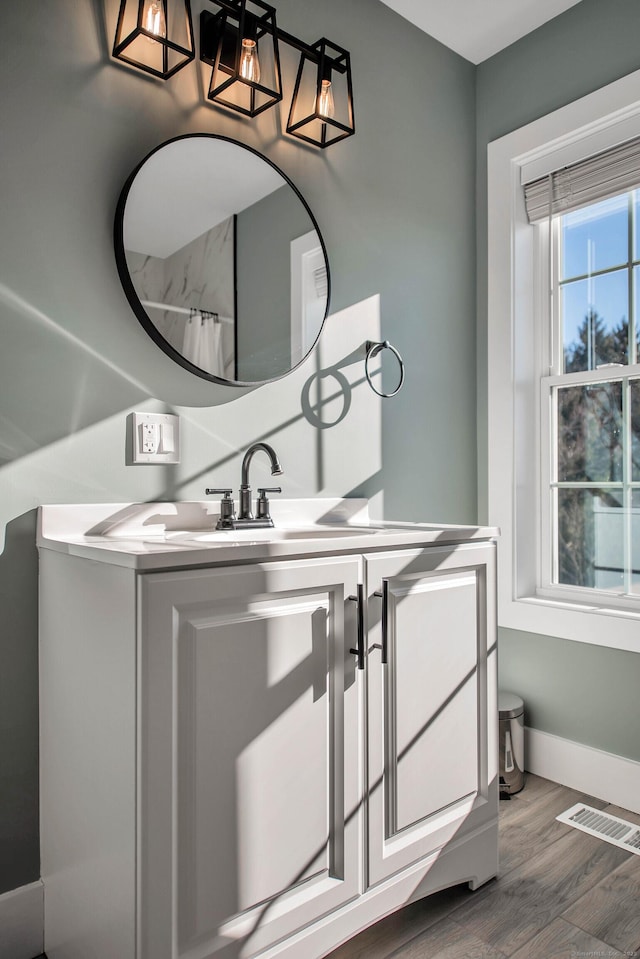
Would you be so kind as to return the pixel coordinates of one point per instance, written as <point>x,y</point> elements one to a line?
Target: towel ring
<point>372,350</point>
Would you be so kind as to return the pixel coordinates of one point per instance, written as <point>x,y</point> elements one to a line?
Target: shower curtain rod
<point>186,309</point>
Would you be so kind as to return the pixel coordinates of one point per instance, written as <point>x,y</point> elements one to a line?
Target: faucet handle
<point>227,508</point>
<point>263,502</point>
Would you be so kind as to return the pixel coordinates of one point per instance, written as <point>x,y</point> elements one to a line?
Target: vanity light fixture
<point>240,43</point>
<point>155,35</point>
<point>322,106</point>
<point>234,43</point>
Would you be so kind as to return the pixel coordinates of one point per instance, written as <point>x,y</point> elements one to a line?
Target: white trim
<point>582,128</point>
<point>22,922</point>
<point>579,129</point>
<point>606,776</point>
<point>307,309</point>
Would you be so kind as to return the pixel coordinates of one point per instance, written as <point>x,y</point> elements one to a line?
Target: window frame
<point>553,377</point>
<point>519,347</point>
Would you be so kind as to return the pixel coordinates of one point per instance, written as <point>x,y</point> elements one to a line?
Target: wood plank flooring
<point>561,894</point>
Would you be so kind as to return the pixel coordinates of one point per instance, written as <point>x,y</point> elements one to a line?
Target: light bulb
<point>326,106</point>
<point>153,19</point>
<point>249,63</point>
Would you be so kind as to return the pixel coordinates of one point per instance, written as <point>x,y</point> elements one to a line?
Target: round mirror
<point>222,260</point>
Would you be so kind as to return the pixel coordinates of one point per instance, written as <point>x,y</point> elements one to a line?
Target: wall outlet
<point>155,438</point>
<point>149,437</point>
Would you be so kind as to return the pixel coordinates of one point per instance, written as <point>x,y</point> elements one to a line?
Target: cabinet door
<point>431,699</point>
<point>249,779</point>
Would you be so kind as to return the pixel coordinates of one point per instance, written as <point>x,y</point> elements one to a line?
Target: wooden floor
<point>561,894</point>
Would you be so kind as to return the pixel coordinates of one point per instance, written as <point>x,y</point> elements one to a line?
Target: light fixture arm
<point>283,36</point>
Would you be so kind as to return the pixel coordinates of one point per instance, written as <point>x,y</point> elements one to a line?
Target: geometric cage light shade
<point>240,43</point>
<point>155,35</point>
<point>322,106</point>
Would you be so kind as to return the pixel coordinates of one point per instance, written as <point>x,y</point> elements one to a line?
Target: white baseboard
<point>602,775</point>
<point>22,922</point>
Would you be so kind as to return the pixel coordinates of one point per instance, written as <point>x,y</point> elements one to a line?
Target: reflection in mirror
<point>222,260</point>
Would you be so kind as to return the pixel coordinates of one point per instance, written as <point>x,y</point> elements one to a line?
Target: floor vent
<point>618,832</point>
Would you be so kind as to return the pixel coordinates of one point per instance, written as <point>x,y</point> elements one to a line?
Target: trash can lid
<point>509,705</point>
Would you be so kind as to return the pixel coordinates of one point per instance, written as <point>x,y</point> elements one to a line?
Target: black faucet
<point>245,490</point>
<point>245,518</point>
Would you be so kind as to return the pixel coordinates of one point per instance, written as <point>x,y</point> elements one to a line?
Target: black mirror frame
<point>134,300</point>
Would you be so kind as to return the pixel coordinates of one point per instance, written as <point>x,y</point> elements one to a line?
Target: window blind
<point>615,171</point>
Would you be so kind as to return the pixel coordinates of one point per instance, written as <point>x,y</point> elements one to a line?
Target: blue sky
<point>593,239</point>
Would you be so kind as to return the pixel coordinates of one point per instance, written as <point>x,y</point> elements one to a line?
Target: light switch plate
<point>155,438</point>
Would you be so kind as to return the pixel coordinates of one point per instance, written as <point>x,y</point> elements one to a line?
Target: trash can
<point>511,723</point>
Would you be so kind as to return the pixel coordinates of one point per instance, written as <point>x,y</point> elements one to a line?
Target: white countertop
<point>155,536</point>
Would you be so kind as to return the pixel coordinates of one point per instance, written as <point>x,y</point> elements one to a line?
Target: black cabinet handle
<point>359,651</point>
<point>384,596</point>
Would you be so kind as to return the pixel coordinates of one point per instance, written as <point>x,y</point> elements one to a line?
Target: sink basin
<point>271,535</point>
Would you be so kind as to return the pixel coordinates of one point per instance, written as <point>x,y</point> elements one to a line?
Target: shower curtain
<point>203,343</point>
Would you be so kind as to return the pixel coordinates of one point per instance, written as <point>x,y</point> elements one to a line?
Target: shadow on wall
<point>64,446</point>
<point>19,836</point>
<point>55,384</point>
<point>323,418</point>
<point>70,384</point>
<point>325,401</point>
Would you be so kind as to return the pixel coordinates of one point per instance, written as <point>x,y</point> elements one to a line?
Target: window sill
<point>598,625</point>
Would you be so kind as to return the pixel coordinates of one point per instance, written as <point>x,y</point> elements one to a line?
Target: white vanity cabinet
<point>249,745</point>
<point>431,702</point>
<point>220,780</point>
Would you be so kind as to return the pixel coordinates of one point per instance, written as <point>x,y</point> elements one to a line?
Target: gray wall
<point>264,232</point>
<point>572,690</point>
<point>394,204</point>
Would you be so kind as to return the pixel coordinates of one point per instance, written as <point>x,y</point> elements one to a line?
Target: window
<point>591,495</point>
<point>563,372</point>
